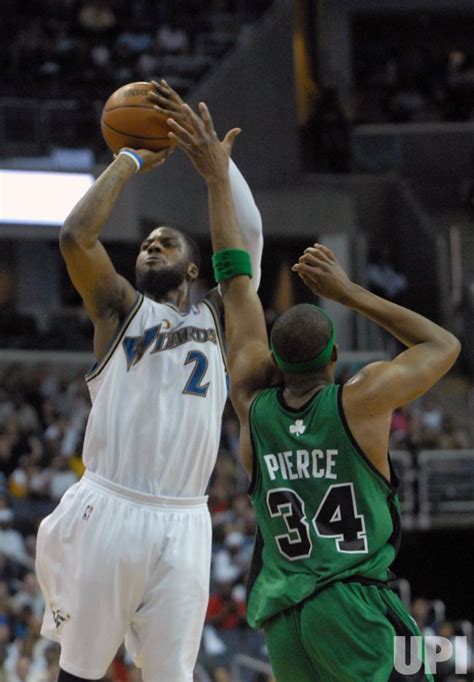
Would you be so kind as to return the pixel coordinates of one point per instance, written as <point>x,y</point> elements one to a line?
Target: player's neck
<point>179,297</point>
<point>298,388</point>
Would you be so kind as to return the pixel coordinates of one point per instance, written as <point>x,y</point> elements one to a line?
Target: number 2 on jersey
<point>193,384</point>
<point>336,518</point>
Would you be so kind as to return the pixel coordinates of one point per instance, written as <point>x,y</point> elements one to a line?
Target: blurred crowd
<point>427,427</point>
<point>431,618</point>
<point>54,48</point>
<point>415,84</point>
<point>42,422</point>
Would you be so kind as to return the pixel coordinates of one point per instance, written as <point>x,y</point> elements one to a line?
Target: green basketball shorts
<point>345,633</point>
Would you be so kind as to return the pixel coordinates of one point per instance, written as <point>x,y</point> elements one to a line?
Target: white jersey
<point>157,401</point>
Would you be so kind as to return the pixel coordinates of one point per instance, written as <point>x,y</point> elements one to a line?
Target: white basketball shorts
<point>114,563</point>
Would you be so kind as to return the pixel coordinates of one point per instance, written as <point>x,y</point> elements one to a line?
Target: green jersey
<point>324,512</point>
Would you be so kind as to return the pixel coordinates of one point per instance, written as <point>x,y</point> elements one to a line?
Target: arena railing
<point>36,125</point>
<point>446,488</point>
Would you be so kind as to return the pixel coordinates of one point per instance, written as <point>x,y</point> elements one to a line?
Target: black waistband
<point>362,580</point>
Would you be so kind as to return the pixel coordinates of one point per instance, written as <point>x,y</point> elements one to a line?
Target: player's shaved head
<point>300,333</point>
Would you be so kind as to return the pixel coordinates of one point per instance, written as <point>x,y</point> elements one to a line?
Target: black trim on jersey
<point>393,474</point>
<point>402,630</point>
<point>362,580</point>
<point>219,329</point>
<point>255,469</point>
<point>97,367</point>
<point>392,486</point>
<point>396,536</point>
<point>297,410</point>
<point>256,563</point>
<point>183,313</point>
<point>214,296</point>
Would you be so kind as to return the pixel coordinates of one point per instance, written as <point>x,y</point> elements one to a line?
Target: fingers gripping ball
<point>129,119</point>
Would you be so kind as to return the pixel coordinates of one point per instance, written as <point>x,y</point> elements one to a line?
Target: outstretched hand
<point>196,136</point>
<point>321,272</point>
<point>167,102</point>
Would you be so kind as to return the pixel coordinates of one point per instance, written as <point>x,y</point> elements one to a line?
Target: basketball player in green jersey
<point>322,485</point>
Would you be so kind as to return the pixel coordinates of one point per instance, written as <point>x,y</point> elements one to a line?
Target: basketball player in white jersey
<point>126,554</point>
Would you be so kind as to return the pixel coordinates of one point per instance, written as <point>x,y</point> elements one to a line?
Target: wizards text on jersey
<point>135,347</point>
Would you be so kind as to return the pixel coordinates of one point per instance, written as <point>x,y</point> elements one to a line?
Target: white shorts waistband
<point>92,480</point>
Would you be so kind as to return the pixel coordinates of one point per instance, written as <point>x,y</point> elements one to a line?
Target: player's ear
<point>192,271</point>
<point>335,353</point>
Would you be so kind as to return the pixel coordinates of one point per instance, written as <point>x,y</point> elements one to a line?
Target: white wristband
<point>136,158</point>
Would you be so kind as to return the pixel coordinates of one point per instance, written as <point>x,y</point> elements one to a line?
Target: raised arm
<point>370,397</point>
<point>249,221</point>
<point>383,386</point>
<point>249,360</point>
<point>107,296</point>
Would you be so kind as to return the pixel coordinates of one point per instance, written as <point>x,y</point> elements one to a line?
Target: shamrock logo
<point>298,428</point>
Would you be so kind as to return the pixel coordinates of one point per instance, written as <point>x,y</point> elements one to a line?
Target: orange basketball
<point>129,120</point>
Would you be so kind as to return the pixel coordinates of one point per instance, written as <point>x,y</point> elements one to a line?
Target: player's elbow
<point>67,238</point>
<point>448,350</point>
<point>71,237</point>
<point>453,346</point>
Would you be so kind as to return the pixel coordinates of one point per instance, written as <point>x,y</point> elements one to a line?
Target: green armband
<point>229,263</point>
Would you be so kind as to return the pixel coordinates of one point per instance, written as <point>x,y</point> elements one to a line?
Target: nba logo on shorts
<point>88,511</point>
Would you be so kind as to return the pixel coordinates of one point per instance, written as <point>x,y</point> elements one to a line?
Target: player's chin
<point>154,267</point>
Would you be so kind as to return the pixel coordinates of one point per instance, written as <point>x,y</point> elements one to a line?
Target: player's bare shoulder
<point>363,390</point>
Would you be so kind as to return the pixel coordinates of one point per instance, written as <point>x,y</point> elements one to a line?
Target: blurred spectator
<point>135,40</point>
<point>383,279</point>
<point>431,416</point>
<point>452,437</point>
<point>27,49</point>
<point>424,616</point>
<point>226,609</point>
<point>22,670</point>
<point>214,655</point>
<point>97,16</point>
<point>61,478</point>
<point>413,440</point>
<point>29,478</point>
<point>230,562</point>
<point>400,427</point>
<point>29,594</point>
<point>460,85</point>
<point>171,38</point>
<point>231,436</point>
<point>12,544</point>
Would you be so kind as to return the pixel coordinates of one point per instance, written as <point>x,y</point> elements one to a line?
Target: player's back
<point>157,401</point>
<point>324,512</point>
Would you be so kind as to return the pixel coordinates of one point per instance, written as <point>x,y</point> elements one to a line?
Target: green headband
<point>315,363</point>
